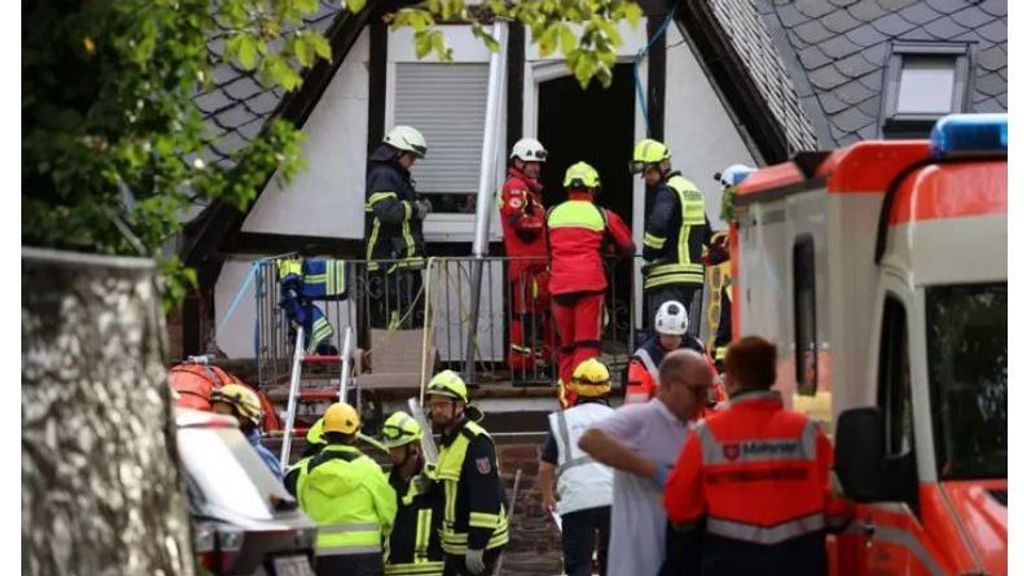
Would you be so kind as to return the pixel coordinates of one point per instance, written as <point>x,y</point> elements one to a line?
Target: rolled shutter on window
<point>446,102</point>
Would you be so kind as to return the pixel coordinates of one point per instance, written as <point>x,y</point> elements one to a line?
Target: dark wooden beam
<point>656,69</point>
<point>514,97</point>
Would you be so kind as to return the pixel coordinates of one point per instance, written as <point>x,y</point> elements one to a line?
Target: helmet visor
<point>637,167</point>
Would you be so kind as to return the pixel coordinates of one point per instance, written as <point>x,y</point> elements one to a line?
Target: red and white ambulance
<point>881,271</point>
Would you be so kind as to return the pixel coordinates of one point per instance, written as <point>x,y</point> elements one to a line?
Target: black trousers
<point>393,299</point>
<point>580,531</point>
<point>456,565</point>
<point>350,565</point>
<point>689,296</point>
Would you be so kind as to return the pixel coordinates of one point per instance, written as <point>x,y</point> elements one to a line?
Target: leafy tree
<point>111,139</point>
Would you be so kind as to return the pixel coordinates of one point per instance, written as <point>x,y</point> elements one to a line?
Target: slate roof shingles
<point>844,64</point>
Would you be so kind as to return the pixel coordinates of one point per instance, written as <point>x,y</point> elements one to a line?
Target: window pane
<point>967,360</point>
<point>926,85</point>
<point>447,103</point>
<point>804,321</point>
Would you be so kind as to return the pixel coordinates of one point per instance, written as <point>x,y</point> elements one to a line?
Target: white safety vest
<point>582,482</point>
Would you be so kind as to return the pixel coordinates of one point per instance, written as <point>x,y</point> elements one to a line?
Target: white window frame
<point>466,49</point>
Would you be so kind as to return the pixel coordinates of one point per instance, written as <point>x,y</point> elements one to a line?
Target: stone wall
<point>535,547</point>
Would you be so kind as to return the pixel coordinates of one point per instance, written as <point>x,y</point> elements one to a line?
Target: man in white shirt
<point>641,442</point>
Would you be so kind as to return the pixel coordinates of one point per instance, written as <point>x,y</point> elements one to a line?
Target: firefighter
<point>414,545</point>
<point>394,229</point>
<point>522,221</point>
<point>578,233</point>
<point>756,476</point>
<point>241,402</point>
<point>584,486</point>
<point>676,230</point>
<point>347,494</point>
<point>671,327</point>
<point>475,525</point>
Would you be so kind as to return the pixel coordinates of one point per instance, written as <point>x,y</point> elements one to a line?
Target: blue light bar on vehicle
<point>959,135</point>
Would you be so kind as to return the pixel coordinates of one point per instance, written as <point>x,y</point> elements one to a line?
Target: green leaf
<point>633,12</point>
<point>355,5</point>
<point>320,45</point>
<point>568,40</point>
<point>243,49</point>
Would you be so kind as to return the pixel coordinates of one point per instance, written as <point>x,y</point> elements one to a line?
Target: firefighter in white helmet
<point>530,332</point>
<point>672,332</point>
<point>394,228</point>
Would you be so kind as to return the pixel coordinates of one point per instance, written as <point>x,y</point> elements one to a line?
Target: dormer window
<point>924,81</point>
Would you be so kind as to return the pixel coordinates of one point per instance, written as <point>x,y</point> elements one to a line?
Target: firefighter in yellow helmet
<point>584,486</point>
<point>314,444</point>
<point>348,496</point>
<point>414,546</point>
<point>240,401</point>
<point>475,525</point>
<point>676,233</point>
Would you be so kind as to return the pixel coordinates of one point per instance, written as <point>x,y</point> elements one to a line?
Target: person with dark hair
<point>756,476</point>
<point>347,494</point>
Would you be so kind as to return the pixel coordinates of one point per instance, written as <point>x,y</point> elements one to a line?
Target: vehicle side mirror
<point>860,461</point>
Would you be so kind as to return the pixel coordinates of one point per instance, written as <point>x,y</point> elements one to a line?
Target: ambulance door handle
<point>868,528</point>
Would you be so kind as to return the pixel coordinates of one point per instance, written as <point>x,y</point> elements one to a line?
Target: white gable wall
<point>326,199</point>
<point>698,130</point>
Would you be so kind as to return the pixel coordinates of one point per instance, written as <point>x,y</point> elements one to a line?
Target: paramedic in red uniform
<point>579,233</point>
<point>757,476</point>
<point>522,224</point>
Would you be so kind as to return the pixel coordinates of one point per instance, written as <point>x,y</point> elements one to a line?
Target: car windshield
<point>967,357</point>
<point>225,471</point>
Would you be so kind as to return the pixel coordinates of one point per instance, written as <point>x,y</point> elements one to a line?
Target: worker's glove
<point>422,207</point>
<point>661,476</point>
<point>475,561</point>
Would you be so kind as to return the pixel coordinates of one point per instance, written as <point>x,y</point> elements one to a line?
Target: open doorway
<point>596,126</point>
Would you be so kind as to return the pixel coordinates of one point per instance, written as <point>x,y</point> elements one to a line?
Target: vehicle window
<point>967,359</point>
<point>225,471</point>
<point>894,394</point>
<point>804,316</point>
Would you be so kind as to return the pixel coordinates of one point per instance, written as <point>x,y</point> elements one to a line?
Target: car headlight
<point>230,539</point>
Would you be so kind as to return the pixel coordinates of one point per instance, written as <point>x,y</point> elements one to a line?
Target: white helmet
<point>671,319</point>
<point>407,139</point>
<point>529,150</point>
<point>734,174</point>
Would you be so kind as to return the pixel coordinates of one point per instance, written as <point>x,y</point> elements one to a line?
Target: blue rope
<point>238,298</point>
<point>636,66</point>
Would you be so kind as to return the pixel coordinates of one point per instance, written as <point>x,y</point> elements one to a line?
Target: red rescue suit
<point>758,474</point>
<point>579,234</point>
<point>642,375</point>
<point>522,223</point>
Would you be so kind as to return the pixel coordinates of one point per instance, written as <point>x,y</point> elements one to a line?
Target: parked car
<point>243,519</point>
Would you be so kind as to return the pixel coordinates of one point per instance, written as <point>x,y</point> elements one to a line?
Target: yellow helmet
<point>581,175</point>
<point>591,379</point>
<point>647,152</point>
<point>341,417</point>
<point>400,429</point>
<point>450,384</point>
<point>245,402</point>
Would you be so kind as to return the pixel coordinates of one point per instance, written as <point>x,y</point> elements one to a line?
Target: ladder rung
<point>321,359</point>
<point>296,433</point>
<point>318,394</point>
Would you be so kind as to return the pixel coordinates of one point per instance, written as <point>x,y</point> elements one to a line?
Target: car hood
<point>981,507</point>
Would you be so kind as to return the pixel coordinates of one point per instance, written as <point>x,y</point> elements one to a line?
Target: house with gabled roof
<point>720,81</point>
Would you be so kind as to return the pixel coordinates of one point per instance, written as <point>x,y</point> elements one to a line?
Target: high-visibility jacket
<point>474,498</point>
<point>676,233</point>
<point>579,234</point>
<point>522,223</point>
<point>724,334</point>
<point>414,546</point>
<point>393,231</point>
<point>642,374</point>
<point>582,482</point>
<point>759,475</point>
<point>348,496</point>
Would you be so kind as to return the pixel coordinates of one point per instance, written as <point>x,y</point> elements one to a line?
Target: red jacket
<point>760,475</point>
<point>579,234</point>
<point>522,222</point>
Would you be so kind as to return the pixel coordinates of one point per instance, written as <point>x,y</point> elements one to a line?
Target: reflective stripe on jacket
<point>348,496</point>
<point>579,234</point>
<point>393,231</point>
<point>474,499</point>
<point>414,545</point>
<point>676,234</point>
<point>582,481</point>
<point>759,474</point>
<point>522,223</point>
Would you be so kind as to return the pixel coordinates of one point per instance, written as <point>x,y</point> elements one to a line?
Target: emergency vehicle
<point>880,270</point>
